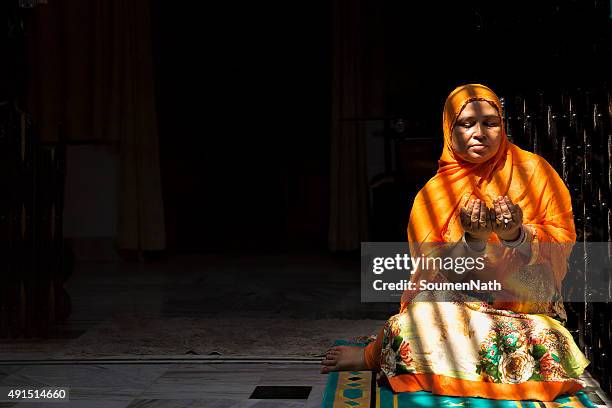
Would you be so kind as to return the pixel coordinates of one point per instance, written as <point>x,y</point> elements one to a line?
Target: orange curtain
<point>91,69</point>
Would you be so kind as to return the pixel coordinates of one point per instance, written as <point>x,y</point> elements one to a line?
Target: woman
<point>488,196</point>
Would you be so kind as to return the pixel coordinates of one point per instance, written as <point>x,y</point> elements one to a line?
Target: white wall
<point>91,200</point>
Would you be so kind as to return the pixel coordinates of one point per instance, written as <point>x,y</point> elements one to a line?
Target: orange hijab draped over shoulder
<point>526,178</point>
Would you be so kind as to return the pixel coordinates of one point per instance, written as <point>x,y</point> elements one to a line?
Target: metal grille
<point>573,132</point>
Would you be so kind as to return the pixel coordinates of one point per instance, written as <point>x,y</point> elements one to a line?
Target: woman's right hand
<point>476,220</point>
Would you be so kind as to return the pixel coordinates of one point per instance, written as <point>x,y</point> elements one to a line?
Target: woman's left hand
<point>507,219</point>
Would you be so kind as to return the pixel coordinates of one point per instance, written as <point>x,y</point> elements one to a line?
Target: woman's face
<point>477,132</point>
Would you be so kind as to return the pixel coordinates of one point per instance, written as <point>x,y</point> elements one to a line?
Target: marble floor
<point>193,384</point>
<point>297,286</point>
<point>167,385</point>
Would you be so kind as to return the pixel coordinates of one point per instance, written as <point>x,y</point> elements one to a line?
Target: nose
<point>477,131</point>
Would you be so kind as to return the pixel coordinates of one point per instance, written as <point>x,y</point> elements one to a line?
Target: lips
<point>478,148</point>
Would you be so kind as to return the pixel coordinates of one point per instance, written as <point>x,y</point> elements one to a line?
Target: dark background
<point>250,99</point>
<point>245,99</point>
<point>244,106</point>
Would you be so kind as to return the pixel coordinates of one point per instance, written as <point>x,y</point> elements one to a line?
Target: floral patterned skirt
<point>472,349</point>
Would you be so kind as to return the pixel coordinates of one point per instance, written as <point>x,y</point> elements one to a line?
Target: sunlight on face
<point>477,132</point>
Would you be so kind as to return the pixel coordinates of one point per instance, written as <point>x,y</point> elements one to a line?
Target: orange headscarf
<point>526,178</point>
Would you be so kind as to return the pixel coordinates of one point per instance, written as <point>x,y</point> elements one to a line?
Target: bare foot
<point>344,358</point>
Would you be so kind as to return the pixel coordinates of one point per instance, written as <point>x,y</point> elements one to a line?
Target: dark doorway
<point>244,124</point>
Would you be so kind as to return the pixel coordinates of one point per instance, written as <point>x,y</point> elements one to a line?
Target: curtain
<point>357,95</point>
<point>91,69</point>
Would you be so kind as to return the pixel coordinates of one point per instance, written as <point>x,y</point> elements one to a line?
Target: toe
<point>328,368</point>
<point>329,362</point>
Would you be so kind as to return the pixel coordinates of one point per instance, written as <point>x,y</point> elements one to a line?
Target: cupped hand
<point>506,218</point>
<point>476,220</point>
